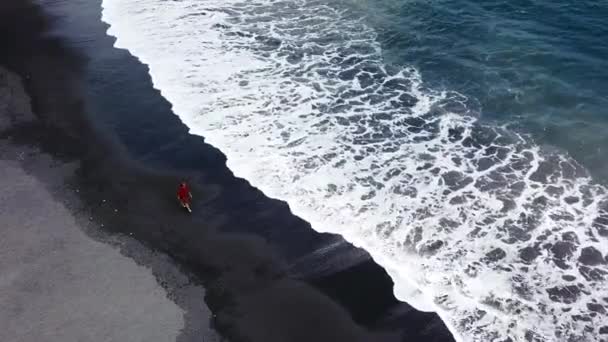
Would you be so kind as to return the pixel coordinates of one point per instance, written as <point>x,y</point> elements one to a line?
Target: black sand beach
<point>264,274</point>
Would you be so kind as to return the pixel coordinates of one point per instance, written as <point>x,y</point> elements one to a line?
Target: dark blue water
<point>539,66</point>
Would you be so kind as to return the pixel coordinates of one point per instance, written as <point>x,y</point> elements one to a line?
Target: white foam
<point>400,170</point>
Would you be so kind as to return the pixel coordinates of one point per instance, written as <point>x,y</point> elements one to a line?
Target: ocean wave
<point>502,238</point>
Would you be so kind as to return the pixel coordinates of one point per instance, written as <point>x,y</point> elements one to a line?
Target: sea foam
<point>500,237</point>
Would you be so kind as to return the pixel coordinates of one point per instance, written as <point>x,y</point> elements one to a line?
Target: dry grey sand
<point>56,284</point>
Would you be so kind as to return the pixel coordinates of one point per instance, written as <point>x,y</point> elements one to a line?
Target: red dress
<point>183,193</point>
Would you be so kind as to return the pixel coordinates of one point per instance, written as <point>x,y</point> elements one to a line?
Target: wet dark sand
<point>62,278</point>
<point>240,244</point>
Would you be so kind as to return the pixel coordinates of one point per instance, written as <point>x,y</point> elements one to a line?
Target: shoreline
<point>239,242</point>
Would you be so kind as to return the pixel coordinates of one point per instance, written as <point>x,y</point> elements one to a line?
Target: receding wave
<point>501,237</point>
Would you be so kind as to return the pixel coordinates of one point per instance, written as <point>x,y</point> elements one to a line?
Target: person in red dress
<point>184,195</point>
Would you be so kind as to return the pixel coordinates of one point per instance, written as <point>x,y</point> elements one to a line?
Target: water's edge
<point>109,174</point>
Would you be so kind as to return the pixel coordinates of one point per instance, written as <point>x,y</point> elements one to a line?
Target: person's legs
<point>184,204</point>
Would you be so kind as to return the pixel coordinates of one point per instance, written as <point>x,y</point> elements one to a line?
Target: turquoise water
<point>538,66</point>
